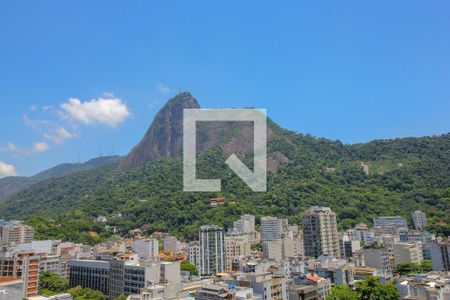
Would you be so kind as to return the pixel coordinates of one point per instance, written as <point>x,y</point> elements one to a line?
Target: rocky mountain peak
<point>164,138</point>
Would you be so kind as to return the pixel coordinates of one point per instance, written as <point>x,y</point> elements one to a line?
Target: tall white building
<point>271,229</point>
<point>419,220</point>
<point>246,224</point>
<point>320,234</point>
<point>146,248</point>
<point>212,250</point>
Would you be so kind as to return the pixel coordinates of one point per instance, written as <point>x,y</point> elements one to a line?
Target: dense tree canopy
<point>405,175</point>
<point>412,268</point>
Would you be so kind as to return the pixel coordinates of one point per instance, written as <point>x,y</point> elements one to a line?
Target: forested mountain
<point>13,184</point>
<point>400,175</point>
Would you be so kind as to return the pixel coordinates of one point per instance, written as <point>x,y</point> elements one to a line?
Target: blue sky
<point>348,70</point>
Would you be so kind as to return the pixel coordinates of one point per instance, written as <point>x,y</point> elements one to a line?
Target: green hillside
<point>404,175</point>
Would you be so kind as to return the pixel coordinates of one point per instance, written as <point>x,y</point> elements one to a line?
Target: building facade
<point>419,220</point>
<point>212,250</point>
<point>320,234</point>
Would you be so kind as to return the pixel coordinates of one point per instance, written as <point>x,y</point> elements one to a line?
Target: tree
<point>372,289</point>
<point>186,266</point>
<point>413,268</point>
<point>406,268</point>
<point>342,292</point>
<point>425,266</point>
<point>121,297</point>
<point>79,293</point>
<point>52,283</point>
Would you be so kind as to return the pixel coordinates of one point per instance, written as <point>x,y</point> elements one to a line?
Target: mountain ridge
<point>13,184</point>
<point>403,175</point>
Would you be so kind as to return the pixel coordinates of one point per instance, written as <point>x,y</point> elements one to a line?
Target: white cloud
<point>40,147</point>
<point>59,134</point>
<point>162,88</point>
<point>11,147</point>
<point>36,148</point>
<point>7,170</point>
<point>111,111</point>
<point>50,130</point>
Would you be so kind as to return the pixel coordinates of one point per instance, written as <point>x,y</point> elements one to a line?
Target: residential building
<point>271,229</point>
<point>212,250</point>
<point>194,253</point>
<point>390,221</point>
<point>429,286</point>
<point>348,246</point>
<point>129,277</point>
<point>22,265</point>
<point>16,233</point>
<point>440,256</point>
<point>235,247</point>
<point>322,285</point>
<point>378,258</point>
<point>320,233</point>
<point>419,220</point>
<point>408,253</point>
<point>146,248</point>
<point>303,292</point>
<point>281,249</point>
<point>268,286</point>
<point>213,292</point>
<point>51,263</point>
<point>246,224</point>
<point>273,249</point>
<point>170,244</point>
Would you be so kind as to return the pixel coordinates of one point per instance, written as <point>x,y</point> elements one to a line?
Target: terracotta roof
<point>126,255</point>
<point>314,278</point>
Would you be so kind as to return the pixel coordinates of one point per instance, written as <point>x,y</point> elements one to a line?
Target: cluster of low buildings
<point>277,261</point>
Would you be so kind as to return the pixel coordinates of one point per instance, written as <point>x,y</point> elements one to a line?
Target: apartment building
<point>320,234</point>
<point>212,250</point>
<point>246,224</point>
<point>390,221</point>
<point>378,258</point>
<point>51,263</point>
<point>194,253</point>
<point>15,233</point>
<point>419,220</point>
<point>146,248</point>
<point>271,229</point>
<point>22,265</point>
<point>407,253</point>
<point>281,249</point>
<point>348,246</point>
<point>235,247</point>
<point>440,256</point>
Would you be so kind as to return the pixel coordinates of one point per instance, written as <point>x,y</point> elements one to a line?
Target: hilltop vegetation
<point>415,175</point>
